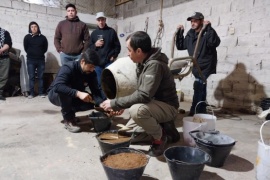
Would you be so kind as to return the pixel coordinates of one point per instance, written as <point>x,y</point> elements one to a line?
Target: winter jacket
<point>71,36</point>
<point>5,39</point>
<point>71,79</point>
<point>207,53</point>
<point>35,46</point>
<point>155,81</point>
<point>111,47</point>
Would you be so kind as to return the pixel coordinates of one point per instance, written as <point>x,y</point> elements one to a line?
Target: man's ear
<point>139,50</point>
<point>82,61</point>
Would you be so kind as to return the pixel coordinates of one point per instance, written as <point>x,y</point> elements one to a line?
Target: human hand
<point>99,43</point>
<point>106,105</point>
<point>84,97</point>
<point>206,22</point>
<point>112,59</point>
<point>180,27</point>
<point>116,113</point>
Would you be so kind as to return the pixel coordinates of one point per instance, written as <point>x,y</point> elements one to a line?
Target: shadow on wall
<point>51,63</point>
<point>239,90</point>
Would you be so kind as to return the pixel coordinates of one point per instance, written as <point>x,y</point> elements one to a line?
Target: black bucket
<point>217,145</point>
<point>101,122</point>
<point>123,174</point>
<point>107,146</point>
<point>186,162</point>
<point>265,105</point>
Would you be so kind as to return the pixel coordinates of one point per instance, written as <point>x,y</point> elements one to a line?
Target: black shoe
<point>2,98</point>
<point>171,132</point>
<point>71,125</point>
<point>158,146</point>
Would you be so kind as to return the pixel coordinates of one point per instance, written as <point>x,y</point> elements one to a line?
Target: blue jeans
<point>32,66</point>
<point>99,70</point>
<point>199,95</point>
<point>69,58</point>
<point>69,105</point>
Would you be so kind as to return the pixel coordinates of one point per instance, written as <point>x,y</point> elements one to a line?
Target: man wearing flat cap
<point>105,42</point>
<point>206,57</point>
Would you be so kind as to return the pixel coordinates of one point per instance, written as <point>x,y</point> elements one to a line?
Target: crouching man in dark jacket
<point>153,106</point>
<point>68,88</point>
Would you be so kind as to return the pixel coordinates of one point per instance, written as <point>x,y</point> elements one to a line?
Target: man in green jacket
<point>153,106</point>
<point>71,37</point>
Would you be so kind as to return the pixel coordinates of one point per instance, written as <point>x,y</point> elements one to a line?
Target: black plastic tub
<point>217,145</point>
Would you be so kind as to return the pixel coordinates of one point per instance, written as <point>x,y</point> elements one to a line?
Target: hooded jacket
<point>71,36</point>
<point>207,53</point>
<point>155,81</point>
<point>111,47</point>
<point>35,45</point>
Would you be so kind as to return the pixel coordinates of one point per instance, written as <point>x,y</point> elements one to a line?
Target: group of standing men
<point>153,106</point>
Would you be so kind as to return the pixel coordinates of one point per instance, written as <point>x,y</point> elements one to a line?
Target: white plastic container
<point>189,125</point>
<point>263,158</point>
<point>210,119</point>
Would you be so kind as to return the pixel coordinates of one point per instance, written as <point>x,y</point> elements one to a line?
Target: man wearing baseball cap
<point>206,57</point>
<point>105,42</point>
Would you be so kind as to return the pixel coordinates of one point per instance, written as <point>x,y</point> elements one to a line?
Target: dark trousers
<point>4,70</point>
<point>68,104</point>
<point>199,95</point>
<point>32,66</point>
<point>99,70</point>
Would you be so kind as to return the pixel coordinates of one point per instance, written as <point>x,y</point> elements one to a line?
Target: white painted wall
<point>243,56</point>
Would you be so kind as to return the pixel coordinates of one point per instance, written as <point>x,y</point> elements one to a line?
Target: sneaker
<point>158,146</point>
<point>71,125</point>
<point>2,98</point>
<point>30,97</point>
<point>171,132</point>
<point>42,95</point>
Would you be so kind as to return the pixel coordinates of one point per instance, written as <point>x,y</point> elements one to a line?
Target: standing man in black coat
<point>206,56</point>
<point>35,46</point>
<point>105,42</point>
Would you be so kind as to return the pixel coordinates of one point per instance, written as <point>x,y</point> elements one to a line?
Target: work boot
<point>171,132</point>
<point>71,125</point>
<point>158,146</point>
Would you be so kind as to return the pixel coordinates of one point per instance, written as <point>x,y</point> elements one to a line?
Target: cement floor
<point>35,145</point>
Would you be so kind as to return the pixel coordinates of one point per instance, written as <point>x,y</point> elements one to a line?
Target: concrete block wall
<point>243,55</point>
<point>15,17</point>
